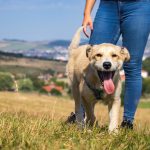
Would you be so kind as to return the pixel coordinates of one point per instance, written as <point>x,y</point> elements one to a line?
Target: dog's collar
<point>98,93</point>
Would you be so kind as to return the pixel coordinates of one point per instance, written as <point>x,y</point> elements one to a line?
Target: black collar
<point>98,93</point>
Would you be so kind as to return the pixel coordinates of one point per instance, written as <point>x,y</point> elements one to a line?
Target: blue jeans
<point>131,19</point>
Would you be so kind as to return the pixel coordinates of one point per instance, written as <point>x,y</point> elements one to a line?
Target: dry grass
<point>57,107</point>
<point>35,104</point>
<point>32,121</point>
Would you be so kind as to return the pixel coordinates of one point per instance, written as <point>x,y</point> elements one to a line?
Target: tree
<point>37,83</point>
<point>146,65</point>
<point>55,92</point>
<point>25,84</point>
<point>146,86</point>
<point>6,81</point>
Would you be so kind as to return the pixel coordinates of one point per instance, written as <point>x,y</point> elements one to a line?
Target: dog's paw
<point>113,130</point>
<point>71,119</point>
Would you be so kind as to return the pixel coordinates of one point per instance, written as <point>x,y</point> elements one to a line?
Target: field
<point>33,121</point>
<point>29,65</point>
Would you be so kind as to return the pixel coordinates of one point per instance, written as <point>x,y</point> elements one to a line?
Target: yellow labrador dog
<point>93,71</point>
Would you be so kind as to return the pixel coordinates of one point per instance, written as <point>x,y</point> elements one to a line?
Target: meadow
<point>29,66</point>
<point>34,121</point>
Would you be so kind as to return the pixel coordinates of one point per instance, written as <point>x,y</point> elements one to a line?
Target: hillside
<point>30,65</point>
<point>54,50</point>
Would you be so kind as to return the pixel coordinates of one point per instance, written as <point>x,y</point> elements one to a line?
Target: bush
<point>54,79</point>
<point>61,83</point>
<point>6,81</point>
<point>146,65</point>
<point>50,71</point>
<point>55,92</point>
<point>43,91</point>
<point>37,83</point>
<point>146,86</point>
<point>25,84</point>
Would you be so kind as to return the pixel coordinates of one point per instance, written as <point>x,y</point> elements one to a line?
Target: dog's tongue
<point>109,86</point>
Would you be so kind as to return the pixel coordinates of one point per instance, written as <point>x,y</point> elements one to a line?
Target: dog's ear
<point>88,51</point>
<point>125,54</point>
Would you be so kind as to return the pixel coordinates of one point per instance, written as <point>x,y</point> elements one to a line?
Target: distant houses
<point>47,77</point>
<point>51,83</point>
<point>49,88</point>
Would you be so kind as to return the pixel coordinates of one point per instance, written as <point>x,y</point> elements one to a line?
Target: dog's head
<point>106,59</point>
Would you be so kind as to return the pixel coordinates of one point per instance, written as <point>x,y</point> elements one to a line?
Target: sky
<point>37,20</point>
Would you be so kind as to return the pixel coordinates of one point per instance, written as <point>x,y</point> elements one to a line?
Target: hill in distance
<point>53,50</point>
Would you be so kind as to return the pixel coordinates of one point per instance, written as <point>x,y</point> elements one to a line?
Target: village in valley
<point>40,66</point>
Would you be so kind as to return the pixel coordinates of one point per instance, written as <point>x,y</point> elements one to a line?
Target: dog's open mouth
<point>106,78</point>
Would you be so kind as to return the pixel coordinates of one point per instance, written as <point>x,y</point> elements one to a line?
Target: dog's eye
<point>99,55</point>
<point>114,55</point>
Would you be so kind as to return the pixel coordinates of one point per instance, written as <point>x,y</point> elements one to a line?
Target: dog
<point>93,73</point>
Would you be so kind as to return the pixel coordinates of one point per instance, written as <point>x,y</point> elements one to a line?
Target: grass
<point>33,121</point>
<point>21,70</point>
<point>29,65</point>
<point>25,131</point>
<point>144,104</point>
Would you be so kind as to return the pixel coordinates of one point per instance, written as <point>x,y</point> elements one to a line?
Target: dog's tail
<point>76,39</point>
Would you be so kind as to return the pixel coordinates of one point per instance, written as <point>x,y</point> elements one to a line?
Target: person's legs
<point>135,28</point>
<point>106,26</point>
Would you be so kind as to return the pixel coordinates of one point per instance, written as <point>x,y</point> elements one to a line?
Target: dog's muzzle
<point>107,65</point>
<point>106,79</point>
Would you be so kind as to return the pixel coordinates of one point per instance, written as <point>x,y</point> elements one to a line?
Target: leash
<point>98,93</point>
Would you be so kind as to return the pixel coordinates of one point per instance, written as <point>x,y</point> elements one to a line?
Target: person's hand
<point>87,21</point>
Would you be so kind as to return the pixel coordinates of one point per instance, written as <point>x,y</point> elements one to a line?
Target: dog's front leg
<point>79,109</point>
<point>79,112</point>
<point>114,108</point>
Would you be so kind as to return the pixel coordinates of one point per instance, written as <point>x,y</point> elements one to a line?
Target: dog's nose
<point>107,65</point>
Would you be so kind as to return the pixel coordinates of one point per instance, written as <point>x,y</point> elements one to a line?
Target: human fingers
<point>85,31</point>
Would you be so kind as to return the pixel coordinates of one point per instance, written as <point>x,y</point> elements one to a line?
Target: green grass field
<point>144,104</point>
<point>33,121</point>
